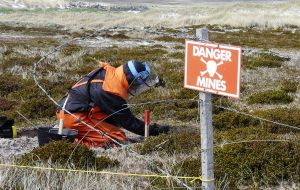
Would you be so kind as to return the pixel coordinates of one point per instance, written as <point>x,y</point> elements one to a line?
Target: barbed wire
<point>34,75</point>
<point>127,148</point>
<point>20,114</point>
<point>218,106</point>
<point>257,117</point>
<point>163,101</point>
<point>90,130</point>
<point>255,140</point>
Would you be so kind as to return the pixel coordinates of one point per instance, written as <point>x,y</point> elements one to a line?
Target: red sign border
<point>237,96</point>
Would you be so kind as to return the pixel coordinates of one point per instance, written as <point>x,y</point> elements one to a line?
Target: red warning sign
<point>213,68</point>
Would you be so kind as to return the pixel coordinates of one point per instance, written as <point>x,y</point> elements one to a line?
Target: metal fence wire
<point>130,149</point>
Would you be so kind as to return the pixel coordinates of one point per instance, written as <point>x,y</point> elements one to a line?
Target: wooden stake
<point>147,122</point>
<point>60,126</point>
<point>207,159</point>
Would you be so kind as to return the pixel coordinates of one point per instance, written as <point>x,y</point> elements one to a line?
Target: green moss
<point>289,86</point>
<point>220,101</point>
<point>177,55</point>
<point>6,10</point>
<point>227,120</point>
<point>158,46</point>
<point>170,39</point>
<point>32,102</point>
<point>254,37</point>
<point>120,56</point>
<point>5,104</point>
<point>59,152</point>
<point>270,97</point>
<point>240,134</point>
<point>187,115</point>
<point>39,42</point>
<point>32,30</point>
<point>263,60</point>
<point>59,88</point>
<point>174,80</point>
<point>118,36</point>
<point>20,60</point>
<point>71,49</point>
<point>179,47</point>
<point>8,52</point>
<point>38,106</point>
<point>214,28</point>
<point>184,93</point>
<point>289,116</point>
<point>22,95</point>
<point>181,142</point>
<point>170,30</point>
<point>255,163</point>
<point>9,83</point>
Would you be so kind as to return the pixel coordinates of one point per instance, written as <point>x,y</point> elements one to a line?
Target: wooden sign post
<point>212,69</point>
<point>207,144</point>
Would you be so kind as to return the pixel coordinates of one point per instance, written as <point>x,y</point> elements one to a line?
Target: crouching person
<point>104,92</point>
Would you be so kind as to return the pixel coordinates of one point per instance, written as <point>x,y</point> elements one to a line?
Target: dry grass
<point>63,68</point>
<point>235,14</point>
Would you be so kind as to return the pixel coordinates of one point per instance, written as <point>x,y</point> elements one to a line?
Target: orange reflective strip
<point>82,83</point>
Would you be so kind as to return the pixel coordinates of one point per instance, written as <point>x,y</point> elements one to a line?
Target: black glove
<point>161,83</point>
<point>155,129</point>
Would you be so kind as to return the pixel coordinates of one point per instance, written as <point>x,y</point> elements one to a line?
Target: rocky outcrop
<point>99,6</point>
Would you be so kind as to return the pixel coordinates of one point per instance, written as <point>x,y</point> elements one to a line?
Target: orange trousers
<point>89,137</point>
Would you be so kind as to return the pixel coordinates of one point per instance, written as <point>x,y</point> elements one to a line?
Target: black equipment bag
<point>6,129</point>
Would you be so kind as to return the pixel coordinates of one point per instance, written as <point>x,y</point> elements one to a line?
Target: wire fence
<point>128,106</point>
<point>126,148</point>
<point>258,118</point>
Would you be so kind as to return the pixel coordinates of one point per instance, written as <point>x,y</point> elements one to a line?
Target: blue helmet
<point>139,77</point>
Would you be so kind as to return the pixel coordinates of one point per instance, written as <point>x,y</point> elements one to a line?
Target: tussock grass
<point>288,116</point>
<point>35,105</point>
<point>263,60</point>
<point>20,60</point>
<point>270,97</point>
<point>177,55</point>
<point>59,152</point>
<point>289,86</point>
<point>34,31</point>
<point>183,142</point>
<point>28,43</point>
<point>9,83</point>
<point>71,49</point>
<point>179,47</point>
<point>119,36</point>
<point>118,56</point>
<point>254,164</point>
<point>227,120</point>
<point>268,38</point>
<point>168,16</point>
<point>170,39</point>
<point>176,152</point>
<point>5,104</point>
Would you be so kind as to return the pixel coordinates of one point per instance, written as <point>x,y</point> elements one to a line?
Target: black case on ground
<point>6,130</point>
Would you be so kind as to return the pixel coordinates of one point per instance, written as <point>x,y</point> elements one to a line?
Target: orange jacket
<point>106,89</point>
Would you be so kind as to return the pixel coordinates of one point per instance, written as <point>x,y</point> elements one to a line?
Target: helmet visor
<point>140,84</point>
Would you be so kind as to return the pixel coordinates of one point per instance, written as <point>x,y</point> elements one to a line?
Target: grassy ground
<point>267,14</point>
<point>270,89</point>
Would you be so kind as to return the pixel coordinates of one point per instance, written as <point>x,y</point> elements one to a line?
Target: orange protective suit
<point>110,88</point>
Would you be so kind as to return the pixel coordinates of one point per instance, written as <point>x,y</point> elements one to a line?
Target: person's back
<point>100,99</point>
